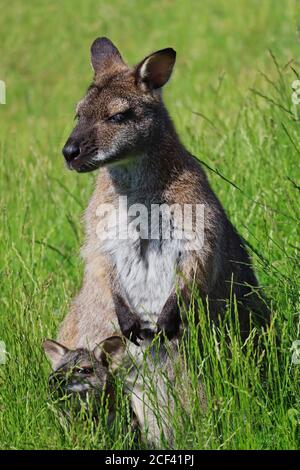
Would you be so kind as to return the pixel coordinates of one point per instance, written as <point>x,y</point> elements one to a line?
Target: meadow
<point>231,100</point>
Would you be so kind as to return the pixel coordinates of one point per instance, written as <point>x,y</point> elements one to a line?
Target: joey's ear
<point>104,55</point>
<point>54,351</point>
<point>110,352</point>
<point>156,69</point>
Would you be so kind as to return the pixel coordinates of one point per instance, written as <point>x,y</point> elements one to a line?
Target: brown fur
<point>142,157</point>
<point>83,374</point>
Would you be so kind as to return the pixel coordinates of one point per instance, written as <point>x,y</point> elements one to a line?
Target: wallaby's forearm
<point>128,321</point>
<point>170,317</point>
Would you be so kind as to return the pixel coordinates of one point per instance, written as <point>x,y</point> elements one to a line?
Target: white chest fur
<point>145,271</point>
<point>145,268</point>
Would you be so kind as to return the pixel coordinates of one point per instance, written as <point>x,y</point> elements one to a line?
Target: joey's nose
<point>71,151</point>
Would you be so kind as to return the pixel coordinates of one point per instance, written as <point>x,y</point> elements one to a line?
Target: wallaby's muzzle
<point>70,151</point>
<point>80,151</point>
<point>74,157</point>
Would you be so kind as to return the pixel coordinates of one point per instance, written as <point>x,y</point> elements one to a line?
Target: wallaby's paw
<point>168,327</point>
<point>131,330</point>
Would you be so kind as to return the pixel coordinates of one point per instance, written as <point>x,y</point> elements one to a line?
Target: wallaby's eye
<point>120,117</point>
<point>84,370</point>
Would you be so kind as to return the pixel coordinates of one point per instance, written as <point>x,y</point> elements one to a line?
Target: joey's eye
<point>84,370</point>
<point>119,117</point>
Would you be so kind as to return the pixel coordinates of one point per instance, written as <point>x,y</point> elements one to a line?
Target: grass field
<point>230,98</point>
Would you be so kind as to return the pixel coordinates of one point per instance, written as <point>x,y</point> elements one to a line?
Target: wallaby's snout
<point>122,111</point>
<point>70,151</point>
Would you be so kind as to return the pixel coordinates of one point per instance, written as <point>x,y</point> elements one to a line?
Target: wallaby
<point>84,375</point>
<point>124,129</point>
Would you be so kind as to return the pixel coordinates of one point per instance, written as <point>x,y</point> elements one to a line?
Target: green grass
<point>231,101</point>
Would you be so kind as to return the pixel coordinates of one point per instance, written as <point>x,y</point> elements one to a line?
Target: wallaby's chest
<point>145,268</point>
<point>145,271</point>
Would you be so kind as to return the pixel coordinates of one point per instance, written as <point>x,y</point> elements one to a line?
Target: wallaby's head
<point>82,373</point>
<point>122,112</point>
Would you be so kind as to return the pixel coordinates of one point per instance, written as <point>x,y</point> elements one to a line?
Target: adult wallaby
<point>125,130</point>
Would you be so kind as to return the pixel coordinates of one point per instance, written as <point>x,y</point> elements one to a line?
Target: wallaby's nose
<point>70,151</point>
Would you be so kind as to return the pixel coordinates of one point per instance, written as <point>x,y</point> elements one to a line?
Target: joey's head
<point>122,112</point>
<point>81,373</point>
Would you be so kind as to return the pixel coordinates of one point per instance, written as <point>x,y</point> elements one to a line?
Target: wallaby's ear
<point>110,352</point>
<point>54,351</point>
<point>156,69</point>
<point>104,54</point>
